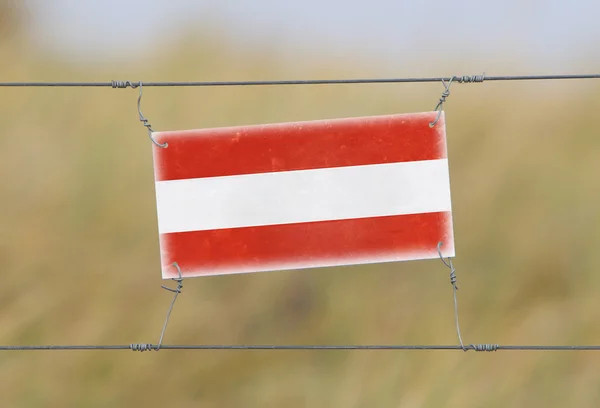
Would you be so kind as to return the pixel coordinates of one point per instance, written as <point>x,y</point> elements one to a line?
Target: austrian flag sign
<point>303,195</point>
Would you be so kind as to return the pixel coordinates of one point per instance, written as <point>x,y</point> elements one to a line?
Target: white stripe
<point>303,196</point>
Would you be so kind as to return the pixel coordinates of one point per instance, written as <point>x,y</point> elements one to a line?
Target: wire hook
<point>440,105</point>
<point>145,121</point>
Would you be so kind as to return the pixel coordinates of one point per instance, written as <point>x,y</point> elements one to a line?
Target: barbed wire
<point>459,79</point>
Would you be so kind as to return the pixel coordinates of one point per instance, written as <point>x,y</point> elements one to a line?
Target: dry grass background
<point>79,248</point>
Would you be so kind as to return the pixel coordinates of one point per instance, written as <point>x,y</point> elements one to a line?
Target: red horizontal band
<point>306,245</point>
<point>298,146</point>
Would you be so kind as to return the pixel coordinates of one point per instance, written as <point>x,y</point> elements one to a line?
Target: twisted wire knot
<point>440,105</point>
<point>484,347</point>
<point>469,79</point>
<point>144,120</point>
<point>124,84</point>
<point>443,98</point>
<point>142,347</point>
<point>453,276</point>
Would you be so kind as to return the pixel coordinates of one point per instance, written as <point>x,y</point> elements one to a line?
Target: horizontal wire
<point>460,79</point>
<point>152,347</point>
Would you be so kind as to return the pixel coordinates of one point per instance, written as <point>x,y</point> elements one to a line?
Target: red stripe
<point>298,146</point>
<point>305,245</point>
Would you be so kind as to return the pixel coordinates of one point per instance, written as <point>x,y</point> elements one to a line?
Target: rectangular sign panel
<point>303,195</point>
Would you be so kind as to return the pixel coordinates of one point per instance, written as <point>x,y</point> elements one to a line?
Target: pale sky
<point>550,35</point>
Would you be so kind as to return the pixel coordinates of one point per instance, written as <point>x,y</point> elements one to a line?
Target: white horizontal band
<point>303,196</point>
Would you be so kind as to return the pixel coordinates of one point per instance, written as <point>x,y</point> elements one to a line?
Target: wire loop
<point>476,347</point>
<point>484,347</point>
<point>440,106</point>
<point>465,79</point>
<point>143,119</point>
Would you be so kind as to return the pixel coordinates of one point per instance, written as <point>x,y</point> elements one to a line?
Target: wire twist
<point>144,120</point>
<point>440,106</point>
<point>176,291</point>
<point>454,290</point>
<point>476,347</point>
<point>150,347</point>
<point>125,84</point>
<point>484,347</point>
<point>142,347</point>
<point>466,79</point>
<point>463,79</point>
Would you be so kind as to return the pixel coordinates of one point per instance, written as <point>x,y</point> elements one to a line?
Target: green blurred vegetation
<point>79,246</point>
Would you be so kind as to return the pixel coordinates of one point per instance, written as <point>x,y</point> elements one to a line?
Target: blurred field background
<point>80,260</point>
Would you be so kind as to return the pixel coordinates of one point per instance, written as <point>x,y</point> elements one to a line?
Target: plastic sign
<point>303,195</point>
